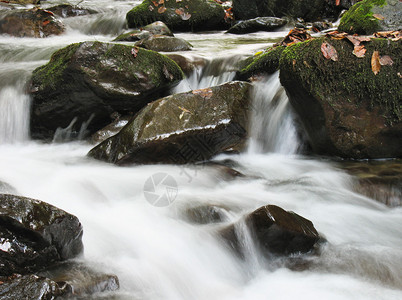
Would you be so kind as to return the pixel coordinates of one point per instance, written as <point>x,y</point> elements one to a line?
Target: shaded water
<point>156,252</point>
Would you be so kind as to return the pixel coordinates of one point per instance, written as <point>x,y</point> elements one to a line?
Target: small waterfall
<point>213,73</point>
<point>14,115</point>
<point>272,123</point>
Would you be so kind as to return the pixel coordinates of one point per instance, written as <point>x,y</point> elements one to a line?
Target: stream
<point>160,252</point>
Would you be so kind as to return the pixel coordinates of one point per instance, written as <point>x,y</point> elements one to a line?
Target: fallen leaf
<point>386,60</point>
<point>329,51</point>
<point>337,2</point>
<point>356,40</point>
<point>378,16</point>
<point>161,9</point>
<point>205,93</point>
<point>155,3</point>
<point>161,1</point>
<point>336,35</point>
<point>151,8</point>
<point>375,62</point>
<point>359,50</point>
<point>134,51</point>
<point>45,22</point>
<point>184,109</point>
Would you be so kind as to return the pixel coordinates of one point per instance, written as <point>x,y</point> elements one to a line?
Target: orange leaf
<point>375,62</point>
<point>161,9</point>
<point>359,51</point>
<point>205,93</point>
<point>134,51</point>
<point>45,22</point>
<point>386,60</point>
<point>337,2</point>
<point>161,1</point>
<point>329,51</point>
<point>155,3</point>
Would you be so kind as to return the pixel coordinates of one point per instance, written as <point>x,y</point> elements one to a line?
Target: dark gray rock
<point>156,28</point>
<point>164,44</point>
<point>257,24</point>
<point>68,10</point>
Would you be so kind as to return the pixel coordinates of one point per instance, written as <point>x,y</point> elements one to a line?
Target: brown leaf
<point>375,62</point>
<point>204,93</point>
<point>356,40</point>
<point>378,16</point>
<point>161,9</point>
<point>386,60</point>
<point>329,51</point>
<point>134,51</point>
<point>45,22</point>
<point>336,35</point>
<point>359,50</point>
<point>337,2</point>
<point>161,1</point>
<point>155,3</point>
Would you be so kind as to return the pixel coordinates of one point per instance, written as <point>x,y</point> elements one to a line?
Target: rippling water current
<point>157,253</point>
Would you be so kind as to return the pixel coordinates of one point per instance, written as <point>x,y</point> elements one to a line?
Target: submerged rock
<point>6,188</point>
<point>194,15</point>
<point>156,28</point>
<point>182,128</point>
<point>110,130</point>
<point>347,110</point>
<point>310,10</point>
<point>35,22</point>
<point>264,63</point>
<point>87,82</point>
<point>30,287</point>
<point>257,24</point>
<point>35,234</point>
<point>275,231</point>
<point>68,10</point>
<point>205,214</point>
<point>369,16</point>
<point>188,63</point>
<point>164,43</point>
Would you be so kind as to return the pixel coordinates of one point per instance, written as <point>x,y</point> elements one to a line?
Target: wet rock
<point>275,231</point>
<point>156,28</point>
<point>81,279</point>
<point>35,234</point>
<point>192,15</point>
<point>306,9</point>
<point>164,43</point>
<point>345,108</point>
<point>257,24</point>
<point>110,130</point>
<point>369,16</point>
<point>205,214</point>
<point>85,83</point>
<point>35,22</point>
<point>182,128</point>
<point>320,26</point>
<point>264,63</point>
<point>30,287</point>
<point>188,63</point>
<point>68,10</point>
<point>24,2</point>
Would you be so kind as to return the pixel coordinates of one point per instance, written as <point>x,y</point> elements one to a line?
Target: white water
<point>156,252</point>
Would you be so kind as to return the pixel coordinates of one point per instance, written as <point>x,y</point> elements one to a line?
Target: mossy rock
<point>182,128</point>
<point>194,15</point>
<point>346,109</point>
<point>265,63</point>
<point>164,44</point>
<point>91,80</point>
<point>156,28</point>
<point>369,16</point>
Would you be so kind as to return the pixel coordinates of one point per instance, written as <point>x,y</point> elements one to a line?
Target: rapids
<point>155,251</point>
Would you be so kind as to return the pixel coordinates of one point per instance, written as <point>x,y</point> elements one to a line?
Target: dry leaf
<point>45,22</point>
<point>205,93</point>
<point>134,51</point>
<point>329,51</point>
<point>161,9</point>
<point>151,8</point>
<point>155,3</point>
<point>356,40</point>
<point>337,2</point>
<point>336,35</point>
<point>161,1</point>
<point>375,62</point>
<point>359,50</point>
<point>386,60</point>
<point>378,16</point>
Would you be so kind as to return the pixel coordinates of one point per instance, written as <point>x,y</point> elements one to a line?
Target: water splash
<point>272,123</point>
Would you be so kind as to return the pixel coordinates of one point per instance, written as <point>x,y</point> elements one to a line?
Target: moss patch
<point>359,18</point>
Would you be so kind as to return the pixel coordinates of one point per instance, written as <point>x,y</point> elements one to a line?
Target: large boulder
<point>35,22</point>
<point>350,106</point>
<point>369,16</point>
<point>194,15</point>
<point>91,80</point>
<point>164,44</point>
<point>35,234</point>
<point>275,231</point>
<point>182,128</point>
<point>310,10</point>
<point>257,24</point>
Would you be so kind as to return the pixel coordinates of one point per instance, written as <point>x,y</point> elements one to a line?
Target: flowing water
<point>157,252</point>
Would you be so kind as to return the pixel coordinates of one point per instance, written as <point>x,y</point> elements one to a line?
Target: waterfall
<point>14,114</point>
<point>272,127</point>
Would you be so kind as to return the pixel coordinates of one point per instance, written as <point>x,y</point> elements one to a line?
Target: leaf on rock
<point>356,39</point>
<point>183,15</point>
<point>134,51</point>
<point>204,93</point>
<point>336,35</point>
<point>386,60</point>
<point>375,62</point>
<point>359,51</point>
<point>161,9</point>
<point>155,3</point>
<point>151,8</point>
<point>329,51</point>
<point>337,2</point>
<point>45,22</point>
<point>378,16</point>
<point>161,1</point>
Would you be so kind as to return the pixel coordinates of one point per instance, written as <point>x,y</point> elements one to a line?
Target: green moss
<point>348,78</point>
<point>205,14</point>
<point>359,18</point>
<point>51,73</point>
